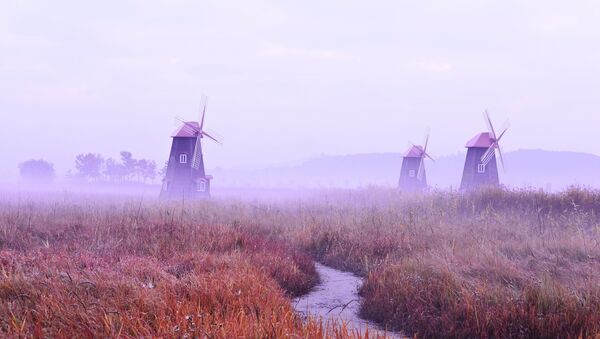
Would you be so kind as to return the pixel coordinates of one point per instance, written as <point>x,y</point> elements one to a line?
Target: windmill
<point>185,176</point>
<point>480,164</point>
<point>412,173</point>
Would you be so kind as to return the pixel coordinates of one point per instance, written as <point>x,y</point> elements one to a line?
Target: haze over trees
<point>89,166</point>
<point>93,167</point>
<point>37,171</point>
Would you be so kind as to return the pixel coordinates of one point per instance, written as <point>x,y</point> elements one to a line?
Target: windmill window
<point>183,158</point>
<point>411,173</point>
<point>481,168</point>
<point>201,186</point>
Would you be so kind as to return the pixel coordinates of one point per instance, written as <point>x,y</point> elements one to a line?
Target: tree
<point>146,169</point>
<point>89,165</point>
<point>93,166</point>
<point>129,164</point>
<point>37,171</point>
<point>163,171</point>
<point>114,171</point>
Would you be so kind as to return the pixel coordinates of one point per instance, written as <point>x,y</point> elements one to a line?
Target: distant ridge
<point>551,170</point>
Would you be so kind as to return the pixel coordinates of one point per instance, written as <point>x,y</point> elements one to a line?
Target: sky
<point>291,80</point>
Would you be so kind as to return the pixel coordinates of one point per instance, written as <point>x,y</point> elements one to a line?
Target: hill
<point>525,168</point>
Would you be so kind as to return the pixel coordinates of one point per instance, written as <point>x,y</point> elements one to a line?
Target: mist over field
<point>551,171</point>
<point>528,169</point>
<point>288,82</point>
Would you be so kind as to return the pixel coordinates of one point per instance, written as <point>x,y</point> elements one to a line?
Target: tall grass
<point>487,264</point>
<point>130,269</point>
<point>493,263</point>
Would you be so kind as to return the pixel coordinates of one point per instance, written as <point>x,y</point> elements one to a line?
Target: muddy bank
<point>336,297</point>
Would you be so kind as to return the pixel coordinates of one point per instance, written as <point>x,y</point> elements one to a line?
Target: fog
<point>291,81</point>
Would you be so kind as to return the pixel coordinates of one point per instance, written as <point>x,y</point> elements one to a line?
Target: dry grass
<point>488,264</point>
<point>128,269</point>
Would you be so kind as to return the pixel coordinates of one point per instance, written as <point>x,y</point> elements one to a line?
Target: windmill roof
<point>414,152</point>
<point>482,140</point>
<point>186,130</point>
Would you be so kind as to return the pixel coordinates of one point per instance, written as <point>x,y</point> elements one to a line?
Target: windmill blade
<point>501,135</point>
<point>428,156</point>
<point>182,120</point>
<point>197,154</point>
<point>215,135</point>
<point>421,169</point>
<point>205,102</point>
<point>213,138</point>
<point>490,126</point>
<point>500,152</point>
<point>486,154</point>
<point>426,141</point>
<point>501,158</point>
<point>190,129</point>
<point>504,129</point>
<point>489,153</point>
<point>188,125</point>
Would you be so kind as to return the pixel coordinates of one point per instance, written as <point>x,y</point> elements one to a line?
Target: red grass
<point>68,270</point>
<point>488,264</point>
<point>48,293</point>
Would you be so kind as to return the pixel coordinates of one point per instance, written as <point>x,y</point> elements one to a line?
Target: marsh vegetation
<point>489,264</point>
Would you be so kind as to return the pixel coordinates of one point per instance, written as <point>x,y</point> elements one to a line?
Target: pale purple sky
<point>288,80</point>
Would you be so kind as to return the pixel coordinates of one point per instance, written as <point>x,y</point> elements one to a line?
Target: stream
<point>336,298</point>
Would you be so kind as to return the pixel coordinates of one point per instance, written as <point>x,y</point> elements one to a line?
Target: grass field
<point>488,264</point>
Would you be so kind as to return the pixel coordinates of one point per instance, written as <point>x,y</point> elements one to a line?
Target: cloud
<point>58,92</point>
<point>437,67</point>
<point>19,64</point>
<point>24,42</point>
<point>279,51</point>
<point>557,24</point>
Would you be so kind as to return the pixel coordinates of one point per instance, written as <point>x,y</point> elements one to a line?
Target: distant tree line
<point>94,168</point>
<point>37,171</point>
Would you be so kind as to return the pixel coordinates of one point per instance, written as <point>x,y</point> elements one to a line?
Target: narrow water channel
<point>336,298</point>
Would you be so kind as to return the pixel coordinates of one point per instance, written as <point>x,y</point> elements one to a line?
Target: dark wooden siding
<point>471,178</point>
<point>408,183</point>
<point>181,179</point>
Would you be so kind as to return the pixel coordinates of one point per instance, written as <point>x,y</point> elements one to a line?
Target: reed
<point>494,263</point>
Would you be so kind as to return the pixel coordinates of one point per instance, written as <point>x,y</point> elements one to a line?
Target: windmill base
<point>198,189</point>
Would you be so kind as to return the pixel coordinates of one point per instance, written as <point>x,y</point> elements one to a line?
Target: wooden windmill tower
<point>480,165</point>
<point>412,173</point>
<point>185,176</point>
